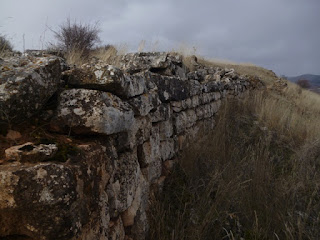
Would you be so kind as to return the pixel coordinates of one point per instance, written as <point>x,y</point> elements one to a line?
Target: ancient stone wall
<point>114,136</point>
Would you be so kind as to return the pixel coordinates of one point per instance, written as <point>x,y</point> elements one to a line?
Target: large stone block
<point>106,78</point>
<point>162,113</point>
<point>52,200</point>
<point>167,149</point>
<point>143,104</point>
<point>139,133</point>
<point>158,62</point>
<point>123,183</point>
<point>26,83</point>
<point>92,112</point>
<point>184,120</point>
<point>170,88</point>
<point>165,130</point>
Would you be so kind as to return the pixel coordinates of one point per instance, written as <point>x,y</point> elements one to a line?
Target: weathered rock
<point>106,78</point>
<point>123,183</point>
<point>211,87</point>
<point>30,152</point>
<point>170,88</point>
<point>208,110</point>
<point>92,112</point>
<point>129,214</point>
<point>141,224</point>
<point>168,166</point>
<point>165,130</point>
<point>143,104</point>
<point>138,134</point>
<point>41,200</point>
<point>162,63</point>
<point>137,62</point>
<point>195,87</point>
<point>116,230</point>
<point>26,84</point>
<point>184,120</point>
<point>139,117</point>
<point>153,171</point>
<point>162,113</point>
<point>54,201</point>
<point>145,155</point>
<point>167,149</point>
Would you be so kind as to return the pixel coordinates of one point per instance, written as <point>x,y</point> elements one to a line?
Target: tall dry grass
<point>108,54</point>
<point>267,76</point>
<point>5,46</point>
<point>76,57</point>
<point>256,176</point>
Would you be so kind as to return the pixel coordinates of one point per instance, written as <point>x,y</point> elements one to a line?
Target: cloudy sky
<point>282,35</point>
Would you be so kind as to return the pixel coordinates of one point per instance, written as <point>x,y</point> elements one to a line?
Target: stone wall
<point>115,134</point>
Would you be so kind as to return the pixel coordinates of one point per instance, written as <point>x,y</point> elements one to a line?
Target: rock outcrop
<point>114,134</point>
<point>26,83</point>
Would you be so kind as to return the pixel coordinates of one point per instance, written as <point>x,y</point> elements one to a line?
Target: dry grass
<point>257,176</point>
<point>108,54</point>
<point>267,76</point>
<point>75,57</point>
<point>5,46</point>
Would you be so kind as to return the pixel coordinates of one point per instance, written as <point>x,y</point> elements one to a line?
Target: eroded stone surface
<point>106,78</point>
<point>129,124</point>
<point>86,111</point>
<point>30,152</point>
<point>26,83</point>
<point>54,200</point>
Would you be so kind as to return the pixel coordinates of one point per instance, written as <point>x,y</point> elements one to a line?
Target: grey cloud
<point>281,35</point>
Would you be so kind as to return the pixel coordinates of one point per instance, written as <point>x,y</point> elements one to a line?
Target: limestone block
<point>145,155</point>
<point>116,230</point>
<point>171,88</point>
<point>184,120</point>
<point>137,62</point>
<point>162,113</point>
<point>26,84</point>
<point>138,133</point>
<point>123,183</point>
<point>211,87</point>
<point>38,200</point>
<point>153,170</point>
<point>30,152</point>
<point>139,229</point>
<point>195,87</point>
<point>167,149</point>
<point>92,112</point>
<point>106,78</point>
<point>143,104</point>
<point>176,106</point>
<point>166,130</point>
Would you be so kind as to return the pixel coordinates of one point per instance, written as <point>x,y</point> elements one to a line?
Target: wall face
<point>127,123</point>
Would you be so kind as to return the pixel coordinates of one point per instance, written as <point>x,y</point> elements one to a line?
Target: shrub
<point>5,45</point>
<point>77,37</point>
<point>304,83</point>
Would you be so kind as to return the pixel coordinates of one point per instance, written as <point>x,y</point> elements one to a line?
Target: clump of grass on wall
<point>5,45</point>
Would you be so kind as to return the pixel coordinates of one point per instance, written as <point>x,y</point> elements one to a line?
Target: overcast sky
<point>282,35</point>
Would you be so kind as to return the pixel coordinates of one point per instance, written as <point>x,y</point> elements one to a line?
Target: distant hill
<point>313,79</point>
